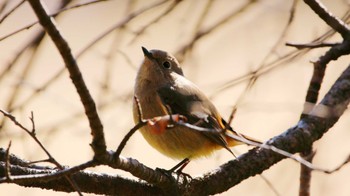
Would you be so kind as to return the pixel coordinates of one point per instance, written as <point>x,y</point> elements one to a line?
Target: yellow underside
<point>180,143</point>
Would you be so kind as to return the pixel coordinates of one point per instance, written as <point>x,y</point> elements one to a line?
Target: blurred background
<point>233,50</point>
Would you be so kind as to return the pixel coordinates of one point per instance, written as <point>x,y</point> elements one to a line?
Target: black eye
<point>166,64</point>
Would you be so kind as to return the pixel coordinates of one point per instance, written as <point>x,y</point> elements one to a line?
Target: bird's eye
<point>166,64</point>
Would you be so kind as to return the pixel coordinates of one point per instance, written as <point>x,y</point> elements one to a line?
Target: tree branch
<point>329,18</point>
<point>98,142</point>
<point>295,139</point>
<point>88,182</point>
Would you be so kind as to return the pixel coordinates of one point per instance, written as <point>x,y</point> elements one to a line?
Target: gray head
<point>165,62</point>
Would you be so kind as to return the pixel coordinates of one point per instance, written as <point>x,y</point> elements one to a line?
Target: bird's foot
<point>179,175</point>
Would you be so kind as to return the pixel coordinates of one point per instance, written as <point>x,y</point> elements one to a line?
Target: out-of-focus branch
<point>280,61</point>
<point>160,16</point>
<point>98,142</point>
<point>64,2</point>
<point>202,33</point>
<point>30,47</point>
<point>11,11</point>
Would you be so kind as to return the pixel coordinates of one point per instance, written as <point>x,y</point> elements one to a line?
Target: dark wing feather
<point>180,101</point>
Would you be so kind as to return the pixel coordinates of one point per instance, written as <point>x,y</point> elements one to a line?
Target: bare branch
<point>329,18</point>
<point>98,143</point>
<point>305,174</point>
<point>311,45</point>
<point>50,159</point>
<point>272,65</point>
<point>270,184</point>
<point>90,182</point>
<point>202,33</point>
<point>311,97</point>
<point>282,35</point>
<point>7,163</point>
<point>54,174</point>
<point>157,19</point>
<point>52,15</point>
<point>11,11</point>
<point>127,137</point>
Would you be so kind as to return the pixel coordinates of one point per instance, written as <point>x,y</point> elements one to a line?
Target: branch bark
<point>334,22</point>
<point>88,182</point>
<point>296,139</point>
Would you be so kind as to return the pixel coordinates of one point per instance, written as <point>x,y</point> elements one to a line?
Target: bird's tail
<point>236,138</point>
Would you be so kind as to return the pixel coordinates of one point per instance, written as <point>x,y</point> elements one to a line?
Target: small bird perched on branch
<point>162,90</point>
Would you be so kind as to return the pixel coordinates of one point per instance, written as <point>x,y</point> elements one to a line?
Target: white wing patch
<point>182,82</point>
<point>198,110</point>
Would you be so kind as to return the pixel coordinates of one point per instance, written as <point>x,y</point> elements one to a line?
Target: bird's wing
<point>195,106</point>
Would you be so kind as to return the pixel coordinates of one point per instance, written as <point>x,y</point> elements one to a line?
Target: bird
<point>161,89</point>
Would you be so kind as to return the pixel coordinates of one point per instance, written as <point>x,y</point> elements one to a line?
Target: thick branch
<point>88,182</point>
<point>334,22</point>
<point>296,139</point>
<point>98,142</point>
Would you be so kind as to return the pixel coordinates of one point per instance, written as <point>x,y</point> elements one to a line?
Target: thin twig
<point>202,33</point>
<point>282,35</point>
<point>339,167</point>
<point>52,175</point>
<point>51,15</point>
<point>278,62</point>
<point>121,24</point>
<point>203,16</point>
<point>311,45</point>
<point>31,45</point>
<point>154,21</point>
<point>50,159</point>
<point>254,75</point>
<point>140,124</point>
<point>40,161</point>
<point>7,163</point>
<point>76,6</point>
<point>127,137</point>
<point>11,11</point>
<point>18,87</point>
<point>263,70</point>
<point>270,185</point>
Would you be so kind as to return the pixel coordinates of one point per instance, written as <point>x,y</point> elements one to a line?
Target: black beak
<point>147,53</point>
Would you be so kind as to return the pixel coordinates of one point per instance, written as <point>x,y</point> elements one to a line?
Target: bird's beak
<point>147,53</point>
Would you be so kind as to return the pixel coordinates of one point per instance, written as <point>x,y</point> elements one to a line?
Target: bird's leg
<point>180,166</point>
<point>178,170</point>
